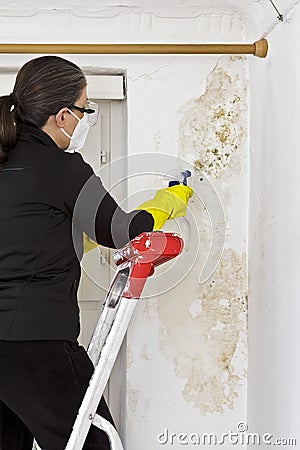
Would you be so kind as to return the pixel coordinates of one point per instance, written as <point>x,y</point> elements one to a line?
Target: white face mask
<point>79,135</point>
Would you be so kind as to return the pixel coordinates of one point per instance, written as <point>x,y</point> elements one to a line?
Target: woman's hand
<point>168,203</point>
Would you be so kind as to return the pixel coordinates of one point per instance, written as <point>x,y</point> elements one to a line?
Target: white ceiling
<point>258,15</point>
<point>177,7</point>
<point>143,4</point>
<point>182,7</point>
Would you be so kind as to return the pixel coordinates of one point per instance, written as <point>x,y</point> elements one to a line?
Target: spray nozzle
<point>184,175</point>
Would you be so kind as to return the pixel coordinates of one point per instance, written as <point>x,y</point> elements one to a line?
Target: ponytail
<point>43,86</point>
<point>8,133</point>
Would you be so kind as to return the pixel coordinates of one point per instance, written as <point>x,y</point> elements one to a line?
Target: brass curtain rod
<point>259,48</point>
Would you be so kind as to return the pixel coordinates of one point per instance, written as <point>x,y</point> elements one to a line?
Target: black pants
<point>42,384</point>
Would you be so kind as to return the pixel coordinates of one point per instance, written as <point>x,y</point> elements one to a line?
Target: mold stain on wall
<point>214,126</point>
<point>203,328</point>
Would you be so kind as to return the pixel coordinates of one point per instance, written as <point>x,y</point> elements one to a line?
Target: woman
<point>49,197</point>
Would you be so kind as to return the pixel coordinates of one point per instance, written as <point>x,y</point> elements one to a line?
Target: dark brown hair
<point>43,86</point>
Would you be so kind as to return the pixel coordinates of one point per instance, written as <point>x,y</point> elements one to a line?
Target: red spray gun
<point>138,259</point>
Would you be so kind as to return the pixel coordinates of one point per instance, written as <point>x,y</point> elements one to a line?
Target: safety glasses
<point>92,111</point>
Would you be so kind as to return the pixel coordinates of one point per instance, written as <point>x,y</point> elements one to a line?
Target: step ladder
<point>135,262</point>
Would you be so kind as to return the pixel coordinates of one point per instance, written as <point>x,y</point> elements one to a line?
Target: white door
<point>105,142</point>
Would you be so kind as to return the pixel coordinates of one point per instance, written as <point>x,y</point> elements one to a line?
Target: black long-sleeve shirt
<point>48,197</point>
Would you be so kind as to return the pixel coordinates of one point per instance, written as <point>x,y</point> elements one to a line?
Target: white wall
<point>187,348</point>
<point>274,308</point>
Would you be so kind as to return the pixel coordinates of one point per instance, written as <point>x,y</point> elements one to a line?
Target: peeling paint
<point>150,309</point>
<point>157,140</point>
<point>203,346</point>
<point>145,355</point>
<point>132,398</point>
<point>196,308</point>
<point>129,358</point>
<point>214,126</point>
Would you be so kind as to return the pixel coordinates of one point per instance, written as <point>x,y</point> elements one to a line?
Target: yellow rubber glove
<point>88,244</point>
<point>168,203</point>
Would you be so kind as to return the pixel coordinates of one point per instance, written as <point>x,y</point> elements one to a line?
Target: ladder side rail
<point>113,436</point>
<point>101,374</point>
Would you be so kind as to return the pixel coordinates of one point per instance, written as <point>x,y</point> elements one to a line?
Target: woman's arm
<point>95,211</point>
